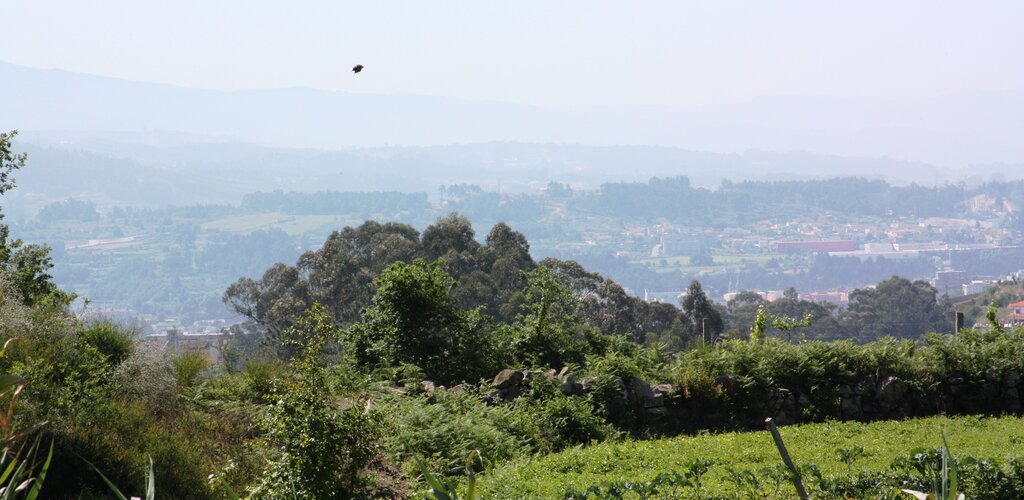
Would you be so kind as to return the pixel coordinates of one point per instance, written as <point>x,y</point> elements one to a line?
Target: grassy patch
<point>294,225</point>
<point>818,444</point>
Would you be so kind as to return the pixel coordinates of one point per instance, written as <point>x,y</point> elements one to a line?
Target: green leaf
<point>471,486</point>
<point>150,482</point>
<point>38,485</point>
<point>10,468</point>
<point>8,380</point>
<point>228,489</point>
<point>440,490</point>
<point>9,488</point>
<point>117,493</point>
<point>953,486</point>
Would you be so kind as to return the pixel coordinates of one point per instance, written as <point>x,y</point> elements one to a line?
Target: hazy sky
<point>543,52</point>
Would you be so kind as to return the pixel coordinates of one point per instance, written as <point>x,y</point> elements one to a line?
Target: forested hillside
<point>382,360</point>
<point>184,256</point>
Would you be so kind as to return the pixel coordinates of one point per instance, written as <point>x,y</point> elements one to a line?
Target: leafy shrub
<point>444,429</point>
<point>323,444</point>
<point>818,370</point>
<point>323,448</point>
<point>441,429</point>
<point>414,319</point>
<point>64,372</point>
<point>972,352</point>
<point>560,421</point>
<point>405,375</point>
<point>148,376</point>
<point>18,459</point>
<point>113,342</point>
<point>546,332</point>
<point>92,386</point>
<point>188,364</point>
<point>697,382</point>
<point>260,375</point>
<point>119,437</point>
<point>609,375</point>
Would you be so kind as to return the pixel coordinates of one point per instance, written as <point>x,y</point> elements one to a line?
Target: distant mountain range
<point>952,131</point>
<point>158,169</point>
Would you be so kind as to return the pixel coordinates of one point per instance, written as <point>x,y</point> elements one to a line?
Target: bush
<point>816,372</point>
<point>148,376</point>
<point>973,352</point>
<point>119,437</point>
<point>414,319</point>
<point>559,422</point>
<point>188,364</point>
<point>609,375</point>
<point>105,399</point>
<point>112,341</point>
<point>324,444</point>
<point>260,376</point>
<point>323,449</point>
<point>444,429</point>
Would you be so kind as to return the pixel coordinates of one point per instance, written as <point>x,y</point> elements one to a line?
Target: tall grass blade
<point>150,482</point>
<point>9,488</point>
<point>228,490</point>
<point>117,493</point>
<point>10,469</point>
<point>38,485</point>
<point>952,475</point>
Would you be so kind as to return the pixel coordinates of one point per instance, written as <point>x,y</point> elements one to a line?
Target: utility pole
<point>704,331</point>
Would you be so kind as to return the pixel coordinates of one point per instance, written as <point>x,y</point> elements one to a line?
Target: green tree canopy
<point>26,267</point>
<point>9,161</point>
<point>896,307</point>
<point>545,332</point>
<point>414,319</point>
<point>703,314</point>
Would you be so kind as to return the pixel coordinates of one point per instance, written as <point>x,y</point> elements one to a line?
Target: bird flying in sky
<point>357,68</point>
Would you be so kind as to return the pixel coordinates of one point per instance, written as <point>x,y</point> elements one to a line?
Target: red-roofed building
<point>1016,316</point>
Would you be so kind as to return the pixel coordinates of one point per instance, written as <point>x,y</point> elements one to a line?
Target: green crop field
<point>294,225</point>
<point>999,440</point>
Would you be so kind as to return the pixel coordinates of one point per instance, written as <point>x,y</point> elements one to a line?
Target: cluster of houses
<point>207,336</point>
<point>209,343</point>
<point>1016,315</point>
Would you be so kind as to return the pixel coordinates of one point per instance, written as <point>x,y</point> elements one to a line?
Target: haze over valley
<point>573,249</point>
<point>157,146</point>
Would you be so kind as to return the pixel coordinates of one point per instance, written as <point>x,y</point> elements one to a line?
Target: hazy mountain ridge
<point>158,169</point>
<point>954,130</point>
